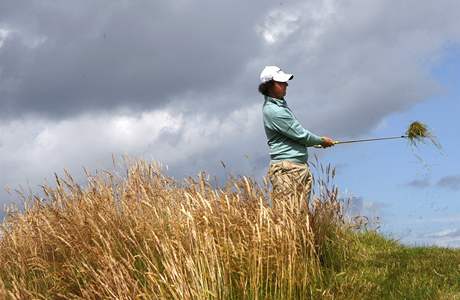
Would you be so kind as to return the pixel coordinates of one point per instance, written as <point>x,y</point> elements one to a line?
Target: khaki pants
<point>290,180</point>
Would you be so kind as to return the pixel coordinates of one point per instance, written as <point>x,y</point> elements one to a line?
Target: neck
<point>275,97</point>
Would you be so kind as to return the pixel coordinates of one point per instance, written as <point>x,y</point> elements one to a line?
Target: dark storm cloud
<point>350,57</point>
<point>176,81</point>
<point>68,57</point>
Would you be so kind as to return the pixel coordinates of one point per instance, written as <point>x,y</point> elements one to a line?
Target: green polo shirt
<point>287,139</point>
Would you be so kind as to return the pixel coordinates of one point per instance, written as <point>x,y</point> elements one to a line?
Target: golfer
<point>287,139</point>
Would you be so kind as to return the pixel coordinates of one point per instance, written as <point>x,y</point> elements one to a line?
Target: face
<point>279,89</point>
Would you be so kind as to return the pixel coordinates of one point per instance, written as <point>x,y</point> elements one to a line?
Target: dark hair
<point>265,88</point>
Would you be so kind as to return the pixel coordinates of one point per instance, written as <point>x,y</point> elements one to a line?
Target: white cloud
<point>449,237</point>
<point>133,130</point>
<point>451,232</point>
<point>29,40</point>
<point>278,25</point>
<point>35,149</point>
<point>3,35</point>
<point>309,17</point>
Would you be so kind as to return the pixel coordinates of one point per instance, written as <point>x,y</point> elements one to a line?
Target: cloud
<point>447,182</point>
<point>3,35</point>
<point>144,55</point>
<point>446,233</point>
<point>70,58</point>
<point>33,150</point>
<point>355,206</point>
<point>450,182</point>
<point>278,25</point>
<point>444,238</point>
<point>419,183</point>
<point>177,80</point>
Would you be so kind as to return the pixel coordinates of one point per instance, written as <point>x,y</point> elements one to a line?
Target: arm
<point>284,122</point>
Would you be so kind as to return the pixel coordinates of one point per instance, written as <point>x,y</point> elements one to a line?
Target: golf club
<point>365,140</point>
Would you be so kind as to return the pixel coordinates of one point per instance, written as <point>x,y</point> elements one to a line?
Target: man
<point>287,139</point>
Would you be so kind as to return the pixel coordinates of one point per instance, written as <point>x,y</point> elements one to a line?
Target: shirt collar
<point>279,102</point>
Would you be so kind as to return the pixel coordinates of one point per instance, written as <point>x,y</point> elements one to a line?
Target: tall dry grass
<point>144,235</point>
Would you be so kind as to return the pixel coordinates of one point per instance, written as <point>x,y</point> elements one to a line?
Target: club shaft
<point>369,140</point>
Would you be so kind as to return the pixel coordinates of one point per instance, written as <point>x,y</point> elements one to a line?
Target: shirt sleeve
<point>284,122</point>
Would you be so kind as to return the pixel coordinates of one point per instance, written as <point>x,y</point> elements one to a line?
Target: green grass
<point>384,269</point>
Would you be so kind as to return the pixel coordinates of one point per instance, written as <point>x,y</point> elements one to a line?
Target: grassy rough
<point>384,269</point>
<point>146,236</point>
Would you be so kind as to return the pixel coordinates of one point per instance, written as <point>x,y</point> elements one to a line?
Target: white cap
<point>274,73</point>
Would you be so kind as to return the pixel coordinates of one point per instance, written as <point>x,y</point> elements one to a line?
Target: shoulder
<point>269,106</point>
<point>274,111</point>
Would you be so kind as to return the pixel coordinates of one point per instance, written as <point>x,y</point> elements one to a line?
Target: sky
<point>176,82</point>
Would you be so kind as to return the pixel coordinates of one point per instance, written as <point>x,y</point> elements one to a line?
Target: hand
<point>327,142</point>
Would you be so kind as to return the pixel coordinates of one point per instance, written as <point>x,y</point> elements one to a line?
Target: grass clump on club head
<point>418,132</point>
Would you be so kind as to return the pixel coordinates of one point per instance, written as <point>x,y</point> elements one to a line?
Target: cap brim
<point>282,77</point>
